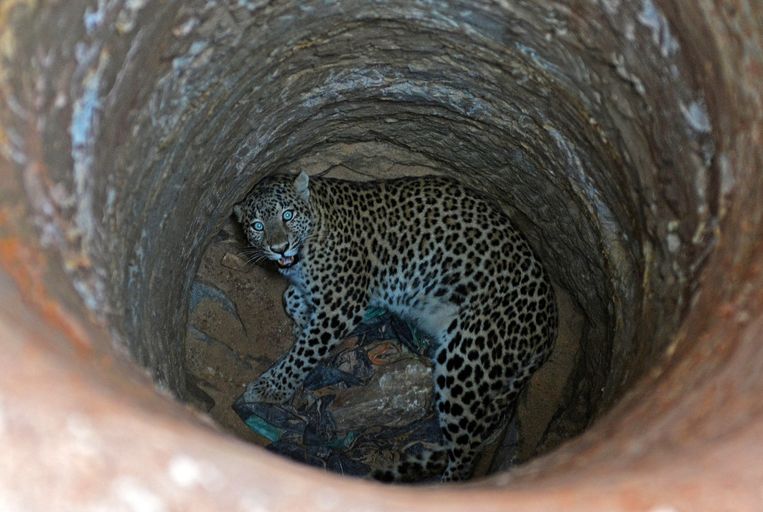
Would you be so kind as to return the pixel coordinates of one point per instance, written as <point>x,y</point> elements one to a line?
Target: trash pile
<point>369,401</point>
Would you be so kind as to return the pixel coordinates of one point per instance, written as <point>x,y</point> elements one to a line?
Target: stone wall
<point>624,137</point>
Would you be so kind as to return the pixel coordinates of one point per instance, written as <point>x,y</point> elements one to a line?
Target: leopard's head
<point>276,218</point>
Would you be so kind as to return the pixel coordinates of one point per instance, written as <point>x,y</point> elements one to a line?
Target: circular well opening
<point>156,119</point>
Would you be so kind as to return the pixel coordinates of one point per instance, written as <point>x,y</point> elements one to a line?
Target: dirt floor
<point>238,328</point>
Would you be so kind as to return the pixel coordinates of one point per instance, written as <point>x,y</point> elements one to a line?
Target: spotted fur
<point>428,249</point>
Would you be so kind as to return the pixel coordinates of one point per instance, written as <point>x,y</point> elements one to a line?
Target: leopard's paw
<point>266,390</point>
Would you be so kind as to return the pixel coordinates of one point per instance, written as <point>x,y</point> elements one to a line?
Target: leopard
<point>426,248</point>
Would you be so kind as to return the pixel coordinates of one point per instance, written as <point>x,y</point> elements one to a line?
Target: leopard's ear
<point>238,211</point>
<point>302,185</point>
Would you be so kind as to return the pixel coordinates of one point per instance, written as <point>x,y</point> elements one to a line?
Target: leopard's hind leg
<point>477,380</point>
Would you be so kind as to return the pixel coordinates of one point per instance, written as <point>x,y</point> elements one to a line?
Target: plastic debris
<point>367,402</point>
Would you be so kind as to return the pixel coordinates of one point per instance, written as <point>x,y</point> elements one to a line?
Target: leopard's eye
<point>288,215</point>
<point>258,226</point>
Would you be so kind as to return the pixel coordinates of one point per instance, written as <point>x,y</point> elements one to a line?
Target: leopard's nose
<point>279,248</point>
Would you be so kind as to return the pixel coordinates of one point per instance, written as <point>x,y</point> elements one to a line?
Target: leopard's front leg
<point>296,307</point>
<point>326,324</point>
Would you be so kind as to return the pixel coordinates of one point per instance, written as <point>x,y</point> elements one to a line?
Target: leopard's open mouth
<point>287,261</point>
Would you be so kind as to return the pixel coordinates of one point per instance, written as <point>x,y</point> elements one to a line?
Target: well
<point>624,137</point>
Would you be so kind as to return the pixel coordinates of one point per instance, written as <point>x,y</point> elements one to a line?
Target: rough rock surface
<point>563,110</point>
<point>626,135</point>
